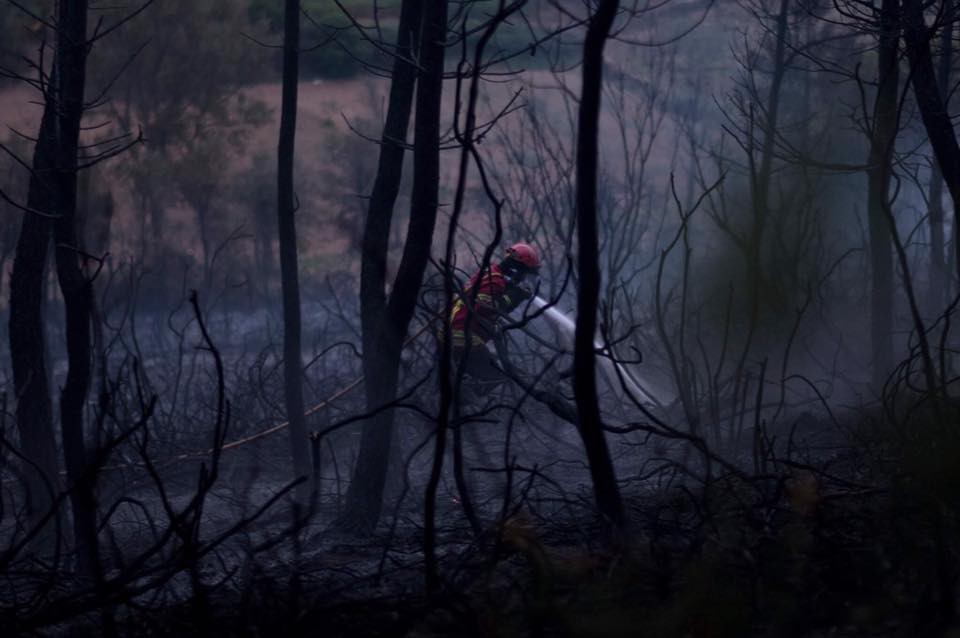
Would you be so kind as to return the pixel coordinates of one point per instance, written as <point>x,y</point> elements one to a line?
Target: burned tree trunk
<point>386,186</point>
<point>380,365</point>
<point>605,486</point>
<point>27,347</point>
<point>933,111</point>
<point>289,278</point>
<point>76,287</point>
<point>384,331</point>
<point>938,278</point>
<point>764,174</point>
<point>761,177</point>
<point>883,132</point>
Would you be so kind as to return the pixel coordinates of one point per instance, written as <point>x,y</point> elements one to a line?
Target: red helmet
<point>525,254</point>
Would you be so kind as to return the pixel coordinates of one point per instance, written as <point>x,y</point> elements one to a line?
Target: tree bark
<point>606,490</point>
<point>882,141</point>
<point>380,366</point>
<point>761,177</point>
<point>385,328</point>
<point>386,186</point>
<point>27,347</point>
<point>761,194</point>
<point>933,111</point>
<point>289,277</point>
<point>69,80</point>
<point>938,277</point>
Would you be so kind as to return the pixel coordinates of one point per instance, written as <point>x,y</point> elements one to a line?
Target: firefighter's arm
<point>487,312</point>
<point>512,296</point>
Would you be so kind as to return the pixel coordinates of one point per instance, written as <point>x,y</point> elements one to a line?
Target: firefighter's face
<point>521,274</point>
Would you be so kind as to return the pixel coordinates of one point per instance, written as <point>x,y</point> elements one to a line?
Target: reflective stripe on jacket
<point>494,296</point>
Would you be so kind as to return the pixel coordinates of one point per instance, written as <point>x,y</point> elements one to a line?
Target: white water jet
<point>612,370</point>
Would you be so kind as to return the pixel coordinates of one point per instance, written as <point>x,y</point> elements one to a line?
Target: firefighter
<point>495,292</point>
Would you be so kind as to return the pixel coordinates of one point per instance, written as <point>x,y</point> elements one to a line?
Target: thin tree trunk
<point>933,111</point>
<point>96,241</point>
<point>938,276</point>
<point>76,288</point>
<point>449,404</point>
<point>27,344</point>
<point>943,139</point>
<point>605,486</point>
<point>386,186</point>
<point>761,195</point>
<point>882,140</point>
<point>382,329</point>
<point>761,177</point>
<point>289,278</point>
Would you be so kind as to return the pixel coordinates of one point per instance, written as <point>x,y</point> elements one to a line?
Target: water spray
<point>611,370</point>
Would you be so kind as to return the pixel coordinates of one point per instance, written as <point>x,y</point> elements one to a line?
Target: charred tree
<point>883,133</point>
<point>764,175</point>
<point>366,488</point>
<point>27,346</point>
<point>605,487</point>
<point>933,110</point>
<point>761,180</point>
<point>386,186</point>
<point>423,28</point>
<point>938,278</point>
<point>287,231</point>
<point>76,288</point>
